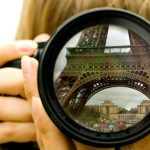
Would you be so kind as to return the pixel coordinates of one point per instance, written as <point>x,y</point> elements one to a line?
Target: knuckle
<point>9,129</point>
<point>29,95</point>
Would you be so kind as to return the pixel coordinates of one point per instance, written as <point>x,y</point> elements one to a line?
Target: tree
<point>88,115</point>
<point>122,110</point>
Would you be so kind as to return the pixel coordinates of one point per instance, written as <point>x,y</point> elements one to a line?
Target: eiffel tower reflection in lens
<point>103,82</point>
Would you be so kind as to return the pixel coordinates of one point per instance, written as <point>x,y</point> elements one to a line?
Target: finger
<point>39,140</point>
<point>14,109</point>
<point>17,132</point>
<point>141,144</point>
<point>80,146</point>
<point>51,136</point>
<point>11,82</point>
<point>29,69</point>
<point>15,50</point>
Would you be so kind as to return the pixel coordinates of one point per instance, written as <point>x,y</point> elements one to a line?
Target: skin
<point>16,122</point>
<point>14,127</point>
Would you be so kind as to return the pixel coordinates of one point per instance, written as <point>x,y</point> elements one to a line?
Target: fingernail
<point>26,45</point>
<point>42,38</point>
<point>35,109</point>
<point>26,64</point>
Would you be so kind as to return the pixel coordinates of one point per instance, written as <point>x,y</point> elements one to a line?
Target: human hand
<point>16,123</point>
<point>48,135</point>
<point>142,144</point>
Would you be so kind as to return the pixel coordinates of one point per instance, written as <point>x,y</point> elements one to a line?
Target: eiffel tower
<point>92,66</point>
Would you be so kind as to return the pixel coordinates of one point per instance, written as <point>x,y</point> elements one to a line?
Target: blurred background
<point>10,13</point>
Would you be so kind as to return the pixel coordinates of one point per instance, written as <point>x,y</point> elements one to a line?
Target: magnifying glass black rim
<point>46,76</point>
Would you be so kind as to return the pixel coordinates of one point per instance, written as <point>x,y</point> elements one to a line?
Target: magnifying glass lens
<point>100,78</point>
<point>97,86</point>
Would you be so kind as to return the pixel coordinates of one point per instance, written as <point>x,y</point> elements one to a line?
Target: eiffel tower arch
<point>92,66</point>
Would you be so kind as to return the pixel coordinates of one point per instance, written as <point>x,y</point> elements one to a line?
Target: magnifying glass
<point>93,77</point>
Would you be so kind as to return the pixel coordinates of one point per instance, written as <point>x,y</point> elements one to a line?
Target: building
<point>144,107</point>
<point>111,111</point>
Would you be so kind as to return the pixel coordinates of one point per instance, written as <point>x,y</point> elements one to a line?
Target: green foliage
<point>88,115</point>
<point>123,111</point>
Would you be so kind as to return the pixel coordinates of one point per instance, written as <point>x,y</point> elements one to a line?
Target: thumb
<point>50,136</point>
<point>29,67</point>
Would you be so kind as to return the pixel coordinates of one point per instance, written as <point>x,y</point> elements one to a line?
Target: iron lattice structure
<point>92,67</point>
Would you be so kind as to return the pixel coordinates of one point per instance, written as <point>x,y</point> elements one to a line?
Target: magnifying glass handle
<point>17,63</point>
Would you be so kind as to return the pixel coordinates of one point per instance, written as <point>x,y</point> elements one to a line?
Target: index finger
<point>16,50</point>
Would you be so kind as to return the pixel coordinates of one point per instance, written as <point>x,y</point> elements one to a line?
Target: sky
<point>61,60</point>
<point>117,36</point>
<point>121,96</point>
